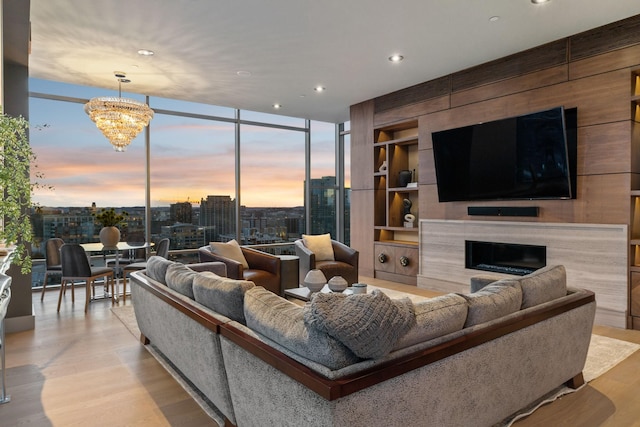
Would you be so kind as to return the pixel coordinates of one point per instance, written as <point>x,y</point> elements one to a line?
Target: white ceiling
<point>291,46</point>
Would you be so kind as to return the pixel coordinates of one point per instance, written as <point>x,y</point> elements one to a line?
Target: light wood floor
<point>77,370</point>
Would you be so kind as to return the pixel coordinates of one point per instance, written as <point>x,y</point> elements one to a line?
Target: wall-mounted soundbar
<point>503,210</point>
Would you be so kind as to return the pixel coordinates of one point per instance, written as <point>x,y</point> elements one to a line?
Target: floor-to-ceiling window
<point>345,134</point>
<point>272,171</point>
<point>81,173</point>
<point>323,180</point>
<point>193,172</point>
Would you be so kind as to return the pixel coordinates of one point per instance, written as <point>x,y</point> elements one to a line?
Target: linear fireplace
<point>505,258</point>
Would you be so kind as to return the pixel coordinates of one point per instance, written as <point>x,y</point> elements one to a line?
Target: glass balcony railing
<point>185,256</point>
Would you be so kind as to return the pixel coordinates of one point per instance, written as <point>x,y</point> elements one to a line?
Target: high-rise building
<point>323,205</point>
<point>184,236</point>
<point>181,212</point>
<point>217,216</point>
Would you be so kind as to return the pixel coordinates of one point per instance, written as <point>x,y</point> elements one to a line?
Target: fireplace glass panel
<point>505,258</point>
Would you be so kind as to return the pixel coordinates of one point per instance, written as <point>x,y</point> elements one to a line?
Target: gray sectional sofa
<point>454,360</point>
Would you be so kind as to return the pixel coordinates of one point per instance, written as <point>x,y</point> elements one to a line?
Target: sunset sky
<point>190,158</point>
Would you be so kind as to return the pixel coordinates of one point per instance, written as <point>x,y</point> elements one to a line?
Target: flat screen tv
<point>532,156</point>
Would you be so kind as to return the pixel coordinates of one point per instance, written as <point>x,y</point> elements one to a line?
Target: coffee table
<point>303,293</point>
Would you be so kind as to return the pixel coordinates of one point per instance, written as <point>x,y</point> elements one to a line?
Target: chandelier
<point>119,119</point>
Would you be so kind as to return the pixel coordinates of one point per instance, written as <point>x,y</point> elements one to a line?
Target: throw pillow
<point>157,268</point>
<point>180,278</point>
<point>282,322</point>
<point>370,325</point>
<point>320,245</point>
<point>222,295</point>
<point>493,301</point>
<point>543,285</point>
<point>435,317</point>
<point>230,250</point>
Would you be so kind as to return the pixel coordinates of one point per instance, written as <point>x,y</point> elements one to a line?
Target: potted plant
<point>109,219</point>
<point>16,230</point>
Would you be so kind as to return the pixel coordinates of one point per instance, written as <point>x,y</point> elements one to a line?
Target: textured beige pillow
<point>320,245</point>
<point>230,250</point>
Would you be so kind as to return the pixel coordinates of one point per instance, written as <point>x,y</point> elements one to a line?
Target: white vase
<point>337,284</point>
<point>109,236</point>
<point>315,280</point>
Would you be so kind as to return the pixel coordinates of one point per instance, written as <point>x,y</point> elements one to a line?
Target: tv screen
<point>526,157</point>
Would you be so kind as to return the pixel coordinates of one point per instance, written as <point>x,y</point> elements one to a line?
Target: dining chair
<point>52,259</point>
<point>131,256</point>
<point>75,266</point>
<point>162,250</point>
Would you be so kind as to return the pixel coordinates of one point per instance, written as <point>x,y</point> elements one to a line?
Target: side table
<point>288,272</point>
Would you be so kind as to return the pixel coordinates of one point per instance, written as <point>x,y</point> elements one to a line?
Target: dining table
<point>120,247</point>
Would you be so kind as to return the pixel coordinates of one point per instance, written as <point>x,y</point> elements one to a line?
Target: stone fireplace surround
<point>594,255</point>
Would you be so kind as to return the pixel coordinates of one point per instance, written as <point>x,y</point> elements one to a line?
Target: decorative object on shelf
<point>404,261</point>
<point>409,220</point>
<point>382,258</point>
<point>383,167</point>
<point>404,177</point>
<point>119,119</point>
<point>314,280</point>
<point>337,284</point>
<point>406,206</point>
<point>109,219</point>
<point>359,288</point>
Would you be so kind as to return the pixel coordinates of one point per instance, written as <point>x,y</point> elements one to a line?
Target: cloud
<point>190,159</point>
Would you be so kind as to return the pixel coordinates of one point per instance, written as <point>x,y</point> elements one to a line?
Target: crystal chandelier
<point>119,119</point>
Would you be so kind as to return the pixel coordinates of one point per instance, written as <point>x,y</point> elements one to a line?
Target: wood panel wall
<point>590,71</point>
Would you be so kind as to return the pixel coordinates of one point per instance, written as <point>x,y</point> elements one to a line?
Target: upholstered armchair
<point>261,268</point>
<point>343,261</point>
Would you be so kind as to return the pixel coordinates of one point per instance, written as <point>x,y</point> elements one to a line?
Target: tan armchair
<point>264,268</point>
<point>345,261</point>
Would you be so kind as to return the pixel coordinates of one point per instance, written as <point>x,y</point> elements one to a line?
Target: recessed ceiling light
<point>243,73</point>
<point>319,89</point>
<point>396,58</point>
<point>277,106</point>
<point>539,1</point>
<point>145,52</point>
<point>494,19</point>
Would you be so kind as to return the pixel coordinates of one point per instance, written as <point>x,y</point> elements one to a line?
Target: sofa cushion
<point>179,277</point>
<point>479,282</point>
<point>369,324</point>
<point>543,285</point>
<point>157,268</point>
<point>493,301</point>
<point>221,294</point>
<point>320,245</point>
<point>231,250</point>
<point>282,321</point>
<point>435,317</point>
